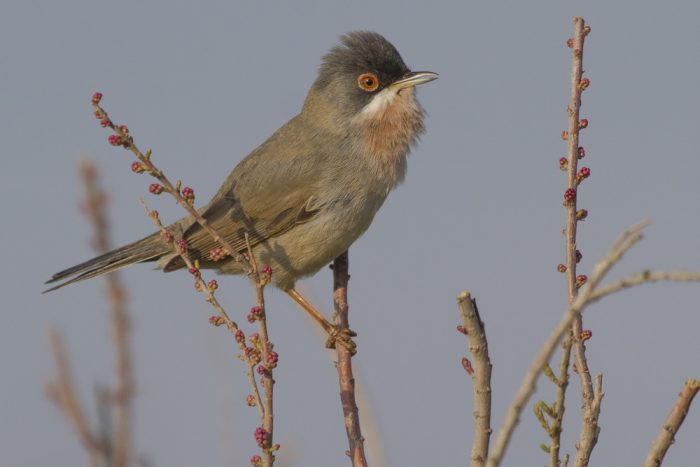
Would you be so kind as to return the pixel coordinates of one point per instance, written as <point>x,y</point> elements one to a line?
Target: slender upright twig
<point>527,387</point>
<point>673,422</point>
<point>587,296</point>
<point>590,400</point>
<point>480,372</point>
<point>582,292</point>
<point>577,336</point>
<point>562,382</point>
<point>64,395</point>
<point>122,396</point>
<point>346,380</point>
<point>114,450</point>
<point>268,356</point>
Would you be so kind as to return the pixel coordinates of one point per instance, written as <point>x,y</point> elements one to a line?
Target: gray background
<point>202,83</point>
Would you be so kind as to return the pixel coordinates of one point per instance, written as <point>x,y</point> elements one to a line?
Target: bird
<point>307,193</point>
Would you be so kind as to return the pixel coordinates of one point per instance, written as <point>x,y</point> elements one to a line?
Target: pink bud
<point>138,167</point>
<point>155,188</point>
<point>115,140</point>
<point>570,195</point>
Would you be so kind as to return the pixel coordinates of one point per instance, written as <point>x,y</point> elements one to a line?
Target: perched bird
<point>309,191</point>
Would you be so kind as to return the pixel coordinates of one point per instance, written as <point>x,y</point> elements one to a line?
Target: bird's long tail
<point>149,248</point>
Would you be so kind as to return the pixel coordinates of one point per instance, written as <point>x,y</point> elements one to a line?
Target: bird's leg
<point>336,334</point>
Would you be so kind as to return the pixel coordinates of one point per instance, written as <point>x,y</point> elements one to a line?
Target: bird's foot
<point>342,336</point>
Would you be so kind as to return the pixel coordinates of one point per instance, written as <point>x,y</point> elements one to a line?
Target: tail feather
<point>149,248</point>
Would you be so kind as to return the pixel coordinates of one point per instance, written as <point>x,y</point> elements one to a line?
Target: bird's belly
<point>307,247</point>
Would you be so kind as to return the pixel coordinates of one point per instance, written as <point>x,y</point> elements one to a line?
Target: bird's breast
<point>388,126</point>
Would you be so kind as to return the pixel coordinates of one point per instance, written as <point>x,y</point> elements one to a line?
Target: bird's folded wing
<point>229,218</point>
<point>263,197</point>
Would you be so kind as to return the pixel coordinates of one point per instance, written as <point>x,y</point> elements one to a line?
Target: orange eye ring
<point>368,82</point>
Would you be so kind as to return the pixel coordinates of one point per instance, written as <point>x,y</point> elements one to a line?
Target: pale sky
<point>203,83</point>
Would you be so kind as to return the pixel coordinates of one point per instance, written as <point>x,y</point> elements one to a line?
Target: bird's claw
<point>343,336</point>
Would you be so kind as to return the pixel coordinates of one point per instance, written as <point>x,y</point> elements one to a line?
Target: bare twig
<point>588,295</point>
<point>589,424</point>
<point>112,447</point>
<point>473,328</point>
<point>122,396</point>
<point>644,278</point>
<point>527,387</point>
<point>346,379</point>
<point>562,383</point>
<point>673,422</point>
<point>62,392</point>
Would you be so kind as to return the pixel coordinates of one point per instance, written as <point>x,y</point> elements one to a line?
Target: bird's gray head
<point>360,78</point>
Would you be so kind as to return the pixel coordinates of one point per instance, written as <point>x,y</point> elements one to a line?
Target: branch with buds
<point>582,292</point>
<point>258,352</point>
<point>587,296</point>
<point>480,371</point>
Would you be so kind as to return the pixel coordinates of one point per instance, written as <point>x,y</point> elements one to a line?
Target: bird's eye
<point>368,82</point>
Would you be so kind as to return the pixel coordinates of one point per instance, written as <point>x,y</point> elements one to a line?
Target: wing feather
<point>268,193</point>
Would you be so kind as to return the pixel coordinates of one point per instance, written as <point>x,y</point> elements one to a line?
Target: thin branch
<point>589,427</point>
<point>473,328</point>
<point>122,396</point>
<point>644,278</point>
<point>124,139</point>
<point>589,424</point>
<point>261,348</point>
<point>673,422</point>
<point>63,394</point>
<point>269,358</point>
<point>562,382</point>
<point>630,237</point>
<point>113,446</point>
<point>210,297</point>
<point>589,294</point>
<point>346,379</point>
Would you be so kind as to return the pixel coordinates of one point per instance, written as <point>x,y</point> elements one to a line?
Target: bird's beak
<point>414,79</point>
